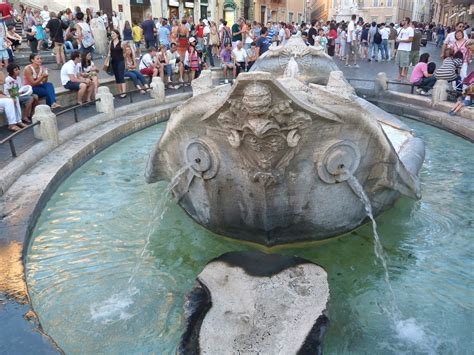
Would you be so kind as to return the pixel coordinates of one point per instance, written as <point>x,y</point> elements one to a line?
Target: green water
<point>108,270</point>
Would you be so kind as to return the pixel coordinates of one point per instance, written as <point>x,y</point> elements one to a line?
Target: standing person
<point>128,36</point>
<point>115,21</point>
<point>373,46</point>
<point>72,80</point>
<point>459,45</point>
<point>263,44</point>
<point>343,49</point>
<point>36,75</point>
<point>415,45</point>
<point>249,35</point>
<point>174,31</point>
<point>118,62</point>
<point>404,40</point>
<point>440,35</point>
<point>84,35</point>
<point>352,42</point>
<point>225,35</point>
<point>385,34</point>
<point>331,36</point>
<point>89,15</point>
<point>312,33</point>
<point>236,33</point>
<point>183,34</point>
<point>364,42</point>
<point>214,40</point>
<point>149,29</point>
<point>56,29</point>
<point>131,71</point>
<point>164,34</point>
<point>391,41</point>
<point>39,29</point>
<point>137,38</point>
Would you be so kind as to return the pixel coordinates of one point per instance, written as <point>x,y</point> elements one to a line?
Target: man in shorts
<point>149,65</point>
<point>72,80</point>
<point>404,40</point>
<point>55,28</point>
<point>227,62</point>
<point>351,45</point>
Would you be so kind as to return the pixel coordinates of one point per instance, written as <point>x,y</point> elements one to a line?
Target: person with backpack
<point>384,34</point>
<point>378,44</point>
<point>84,34</point>
<point>373,47</point>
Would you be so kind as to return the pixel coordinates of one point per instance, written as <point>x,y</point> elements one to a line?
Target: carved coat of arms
<point>267,132</point>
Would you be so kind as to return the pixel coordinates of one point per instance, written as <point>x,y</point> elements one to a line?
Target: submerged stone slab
<point>252,302</point>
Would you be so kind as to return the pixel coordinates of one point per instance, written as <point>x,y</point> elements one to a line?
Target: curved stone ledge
<point>37,173</point>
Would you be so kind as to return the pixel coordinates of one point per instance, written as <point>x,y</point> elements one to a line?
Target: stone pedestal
<point>100,36</point>
<point>256,303</point>
<point>48,129</point>
<point>439,93</point>
<point>158,89</point>
<point>106,103</point>
<point>337,82</point>
<point>203,83</point>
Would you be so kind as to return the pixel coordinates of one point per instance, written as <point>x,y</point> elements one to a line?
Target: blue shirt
<point>263,44</point>
<point>164,35</point>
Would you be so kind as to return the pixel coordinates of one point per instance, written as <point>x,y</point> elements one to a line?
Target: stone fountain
<point>286,154</point>
<point>268,159</point>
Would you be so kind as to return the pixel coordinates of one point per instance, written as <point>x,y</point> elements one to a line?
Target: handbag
<point>107,67</point>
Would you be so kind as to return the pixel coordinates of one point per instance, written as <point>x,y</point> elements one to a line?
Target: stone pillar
<point>106,103</point>
<point>439,92</point>
<point>203,83</point>
<point>158,89</point>
<point>381,83</point>
<point>48,128</point>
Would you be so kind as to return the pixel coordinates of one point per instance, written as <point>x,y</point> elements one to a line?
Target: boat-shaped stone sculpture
<point>276,159</point>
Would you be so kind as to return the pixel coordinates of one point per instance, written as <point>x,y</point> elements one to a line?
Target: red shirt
<point>332,34</point>
<point>200,31</point>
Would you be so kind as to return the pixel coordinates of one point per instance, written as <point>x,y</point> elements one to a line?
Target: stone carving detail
<point>267,132</point>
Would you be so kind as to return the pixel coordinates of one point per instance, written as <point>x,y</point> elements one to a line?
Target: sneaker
<point>226,81</point>
<point>419,90</point>
<point>452,113</point>
<point>348,65</point>
<point>356,66</point>
<point>424,93</point>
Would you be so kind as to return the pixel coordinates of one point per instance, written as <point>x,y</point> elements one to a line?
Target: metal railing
<point>412,86</point>
<point>10,138</point>
<point>74,109</point>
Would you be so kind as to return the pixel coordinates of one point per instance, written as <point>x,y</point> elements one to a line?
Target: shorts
<point>467,102</point>
<point>351,49</point>
<point>227,65</point>
<point>168,70</point>
<point>147,71</point>
<point>403,59</point>
<point>72,86</point>
<point>58,48</point>
<point>137,44</point>
<point>25,99</point>
<point>414,57</point>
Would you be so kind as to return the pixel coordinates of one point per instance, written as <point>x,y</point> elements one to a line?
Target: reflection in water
<point>79,279</point>
<point>12,283</point>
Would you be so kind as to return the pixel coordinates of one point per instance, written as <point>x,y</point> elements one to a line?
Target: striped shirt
<point>447,70</point>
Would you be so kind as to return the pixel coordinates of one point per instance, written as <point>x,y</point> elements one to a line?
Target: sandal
<point>143,92</point>
<point>55,105</point>
<point>21,125</point>
<point>14,128</point>
<point>26,120</point>
<point>123,96</point>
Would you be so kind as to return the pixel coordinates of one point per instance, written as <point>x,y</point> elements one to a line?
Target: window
<point>389,3</point>
<point>290,17</point>
<point>373,19</point>
<point>388,19</point>
<point>361,3</point>
<point>376,3</point>
<point>300,18</point>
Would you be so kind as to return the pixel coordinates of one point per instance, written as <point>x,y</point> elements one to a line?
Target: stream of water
<point>108,267</point>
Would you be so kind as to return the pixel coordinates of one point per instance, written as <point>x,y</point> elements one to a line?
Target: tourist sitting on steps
<point>14,88</point>
<point>421,77</point>
<point>36,75</point>
<point>227,61</point>
<point>89,70</point>
<point>466,101</point>
<point>175,63</point>
<point>72,80</point>
<point>148,65</point>
<point>12,111</point>
<point>132,72</point>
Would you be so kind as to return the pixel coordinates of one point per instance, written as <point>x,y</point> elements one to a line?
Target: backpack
<point>377,38</point>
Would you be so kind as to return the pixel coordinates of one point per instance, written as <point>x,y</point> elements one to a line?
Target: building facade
<point>449,12</point>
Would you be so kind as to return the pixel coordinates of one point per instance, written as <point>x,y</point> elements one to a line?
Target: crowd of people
<point>158,47</point>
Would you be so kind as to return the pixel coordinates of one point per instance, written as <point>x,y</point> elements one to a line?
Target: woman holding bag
<point>84,34</point>
<point>117,62</point>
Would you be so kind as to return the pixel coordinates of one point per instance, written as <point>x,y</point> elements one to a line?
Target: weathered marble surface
<point>256,303</point>
<point>269,158</point>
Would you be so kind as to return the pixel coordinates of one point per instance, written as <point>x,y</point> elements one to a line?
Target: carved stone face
<point>257,98</point>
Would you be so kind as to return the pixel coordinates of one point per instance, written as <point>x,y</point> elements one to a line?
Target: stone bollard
<point>158,89</point>
<point>48,128</point>
<point>106,103</point>
<point>203,83</point>
<point>439,92</point>
<point>381,83</point>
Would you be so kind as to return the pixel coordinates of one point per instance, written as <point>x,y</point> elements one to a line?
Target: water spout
<point>292,70</point>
